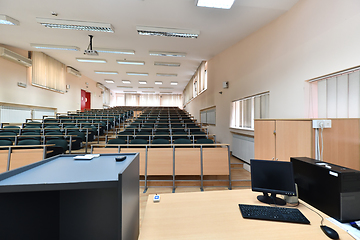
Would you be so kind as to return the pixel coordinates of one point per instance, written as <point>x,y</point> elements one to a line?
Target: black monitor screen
<point>275,177</point>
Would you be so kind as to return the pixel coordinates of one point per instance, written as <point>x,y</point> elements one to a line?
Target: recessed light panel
<point>109,81</point>
<point>158,83</point>
<point>54,47</point>
<point>126,81</point>
<point>124,87</point>
<point>167,32</point>
<point>91,60</point>
<point>117,51</point>
<point>167,64</point>
<point>75,25</point>
<point>146,87</point>
<point>166,74</point>
<point>142,82</point>
<point>137,74</point>
<point>106,72</point>
<point>174,83</point>
<point>6,20</point>
<point>130,91</point>
<point>224,4</point>
<point>165,92</point>
<point>148,91</point>
<point>166,88</point>
<point>167,54</point>
<point>127,62</point>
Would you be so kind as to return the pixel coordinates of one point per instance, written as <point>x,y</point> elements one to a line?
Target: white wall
<point>11,73</point>
<point>314,38</point>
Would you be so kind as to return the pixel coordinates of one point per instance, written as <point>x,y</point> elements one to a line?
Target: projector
<point>91,52</point>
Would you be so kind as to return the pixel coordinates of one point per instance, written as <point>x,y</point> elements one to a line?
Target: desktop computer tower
<point>333,189</point>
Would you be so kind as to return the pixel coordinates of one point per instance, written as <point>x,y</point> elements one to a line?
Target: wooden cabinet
<point>282,139</point>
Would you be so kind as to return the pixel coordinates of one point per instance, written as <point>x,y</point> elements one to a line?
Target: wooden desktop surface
<point>216,215</point>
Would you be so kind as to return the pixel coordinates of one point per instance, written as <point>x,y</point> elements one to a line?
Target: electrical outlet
<point>321,123</point>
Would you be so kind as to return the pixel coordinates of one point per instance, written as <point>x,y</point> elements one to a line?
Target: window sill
<point>245,132</point>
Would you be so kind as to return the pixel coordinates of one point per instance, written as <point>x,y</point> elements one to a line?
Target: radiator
<point>243,147</point>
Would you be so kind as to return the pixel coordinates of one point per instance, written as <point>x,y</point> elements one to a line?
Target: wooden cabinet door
<point>264,139</point>
<point>293,139</point>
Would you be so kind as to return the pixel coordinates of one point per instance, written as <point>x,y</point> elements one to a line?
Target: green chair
<point>5,142</point>
<point>29,142</point>
<point>8,135</point>
<point>205,141</point>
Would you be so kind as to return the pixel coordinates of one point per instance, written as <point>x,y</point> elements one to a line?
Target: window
<point>336,95</point>
<point>48,73</point>
<point>245,110</point>
<point>208,116</point>
<point>197,84</point>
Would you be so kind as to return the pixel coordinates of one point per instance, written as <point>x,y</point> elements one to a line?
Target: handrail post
<point>70,145</point>
<point>87,139</point>
<point>201,168</point>
<point>228,147</point>
<point>44,152</point>
<point>8,161</point>
<point>173,169</point>
<point>146,163</point>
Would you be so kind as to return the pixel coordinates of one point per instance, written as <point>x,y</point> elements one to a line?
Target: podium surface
<point>63,198</point>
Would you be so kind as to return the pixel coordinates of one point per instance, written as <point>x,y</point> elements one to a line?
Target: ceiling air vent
<point>12,56</point>
<point>73,71</point>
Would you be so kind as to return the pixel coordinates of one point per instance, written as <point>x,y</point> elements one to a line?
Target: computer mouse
<point>331,233</point>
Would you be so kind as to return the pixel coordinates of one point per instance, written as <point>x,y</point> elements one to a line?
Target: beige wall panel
<point>4,153</point>
<point>264,140</point>
<point>293,139</point>
<point>22,157</point>
<point>160,161</point>
<point>215,161</point>
<point>342,143</point>
<point>187,161</point>
<point>141,152</point>
<point>99,150</point>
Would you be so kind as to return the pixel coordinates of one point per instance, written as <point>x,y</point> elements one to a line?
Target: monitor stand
<point>272,199</point>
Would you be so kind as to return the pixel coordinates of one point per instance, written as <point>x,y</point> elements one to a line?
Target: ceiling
<point>219,29</point>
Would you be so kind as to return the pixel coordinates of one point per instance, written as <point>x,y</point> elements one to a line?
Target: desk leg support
<point>173,170</point>
<point>146,163</point>
<point>228,147</point>
<point>202,169</point>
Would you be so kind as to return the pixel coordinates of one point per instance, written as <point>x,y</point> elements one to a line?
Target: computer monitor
<point>274,177</point>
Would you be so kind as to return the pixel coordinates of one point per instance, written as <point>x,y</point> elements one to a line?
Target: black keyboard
<point>273,213</point>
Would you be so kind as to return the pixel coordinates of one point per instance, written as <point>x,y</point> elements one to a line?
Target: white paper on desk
<point>347,227</point>
<point>84,157</point>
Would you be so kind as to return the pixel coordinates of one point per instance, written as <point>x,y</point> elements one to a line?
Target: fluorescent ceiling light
<point>166,88</point>
<point>167,64</point>
<point>146,87</point>
<point>75,25</point>
<point>124,87</point>
<point>8,20</point>
<point>91,60</point>
<point>54,47</point>
<point>148,91</point>
<point>142,82</point>
<point>174,83</point>
<point>130,91</point>
<point>158,83</point>
<point>130,62</point>
<point>126,81</point>
<point>109,81</point>
<point>224,4</point>
<point>167,32</point>
<point>165,92</point>
<point>106,72</point>
<point>117,51</point>
<point>167,54</point>
<point>166,74</point>
<point>137,74</point>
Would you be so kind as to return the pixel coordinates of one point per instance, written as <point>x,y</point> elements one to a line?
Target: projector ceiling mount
<point>89,50</point>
